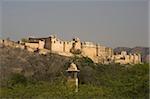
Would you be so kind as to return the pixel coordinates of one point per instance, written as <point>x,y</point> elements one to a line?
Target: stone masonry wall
<point>32,45</point>
<point>67,46</point>
<point>57,45</point>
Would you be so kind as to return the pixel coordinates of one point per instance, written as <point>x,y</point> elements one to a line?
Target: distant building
<point>125,58</point>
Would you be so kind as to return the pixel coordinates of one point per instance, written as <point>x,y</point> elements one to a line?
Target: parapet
<point>72,68</point>
<point>76,39</point>
<point>88,44</point>
<point>124,53</point>
<point>52,36</point>
<point>68,42</point>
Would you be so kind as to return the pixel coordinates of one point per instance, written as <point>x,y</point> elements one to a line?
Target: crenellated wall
<point>89,49</point>
<point>10,43</point>
<point>57,45</point>
<point>101,51</point>
<point>76,44</point>
<point>32,45</point>
<point>67,46</point>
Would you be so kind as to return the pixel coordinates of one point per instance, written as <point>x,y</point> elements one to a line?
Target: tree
<point>24,40</point>
<point>75,51</point>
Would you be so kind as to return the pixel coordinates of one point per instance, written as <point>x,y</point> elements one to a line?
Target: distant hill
<point>119,49</point>
<point>144,51</point>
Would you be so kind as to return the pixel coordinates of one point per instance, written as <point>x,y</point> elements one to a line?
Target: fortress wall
<point>92,50</point>
<point>131,57</point>
<point>136,59</point>
<point>89,51</point>
<point>67,46</point>
<point>57,45</point>
<point>20,46</point>
<point>120,61</point>
<point>9,43</point>
<point>139,56</point>
<point>88,44</point>
<point>109,51</point>
<point>101,51</point>
<point>77,45</point>
<point>32,45</point>
<point>124,58</point>
<point>127,59</point>
<point>41,44</point>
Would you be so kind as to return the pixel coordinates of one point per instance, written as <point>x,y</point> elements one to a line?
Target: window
<point>123,58</point>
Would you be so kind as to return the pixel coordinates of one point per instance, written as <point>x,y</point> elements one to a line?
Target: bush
<point>24,40</point>
<point>75,51</point>
<point>17,79</point>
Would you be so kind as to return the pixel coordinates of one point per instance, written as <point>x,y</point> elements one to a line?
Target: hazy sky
<point>111,22</point>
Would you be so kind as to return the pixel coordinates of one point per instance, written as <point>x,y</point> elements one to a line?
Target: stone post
<point>73,78</point>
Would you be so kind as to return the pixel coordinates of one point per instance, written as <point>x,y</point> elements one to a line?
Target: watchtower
<point>76,44</point>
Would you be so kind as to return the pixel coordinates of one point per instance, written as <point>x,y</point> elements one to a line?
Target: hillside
<point>30,64</point>
<point>31,75</point>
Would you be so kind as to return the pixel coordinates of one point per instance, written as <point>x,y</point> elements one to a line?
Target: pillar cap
<point>72,68</point>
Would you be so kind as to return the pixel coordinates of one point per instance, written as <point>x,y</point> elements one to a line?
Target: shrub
<point>17,79</point>
<point>24,40</point>
<point>75,51</point>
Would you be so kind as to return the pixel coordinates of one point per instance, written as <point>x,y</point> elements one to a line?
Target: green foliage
<point>49,90</point>
<point>75,51</point>
<point>83,61</point>
<point>131,81</point>
<point>17,79</point>
<point>87,60</point>
<point>48,79</point>
<point>107,81</point>
<point>24,40</point>
<point>86,67</point>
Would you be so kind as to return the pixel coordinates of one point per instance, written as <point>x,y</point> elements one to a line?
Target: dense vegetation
<point>30,75</point>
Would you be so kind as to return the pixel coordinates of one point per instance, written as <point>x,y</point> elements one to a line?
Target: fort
<point>98,53</point>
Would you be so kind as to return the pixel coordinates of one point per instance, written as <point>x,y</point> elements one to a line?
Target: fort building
<point>97,52</point>
<point>89,49</point>
<point>125,58</point>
